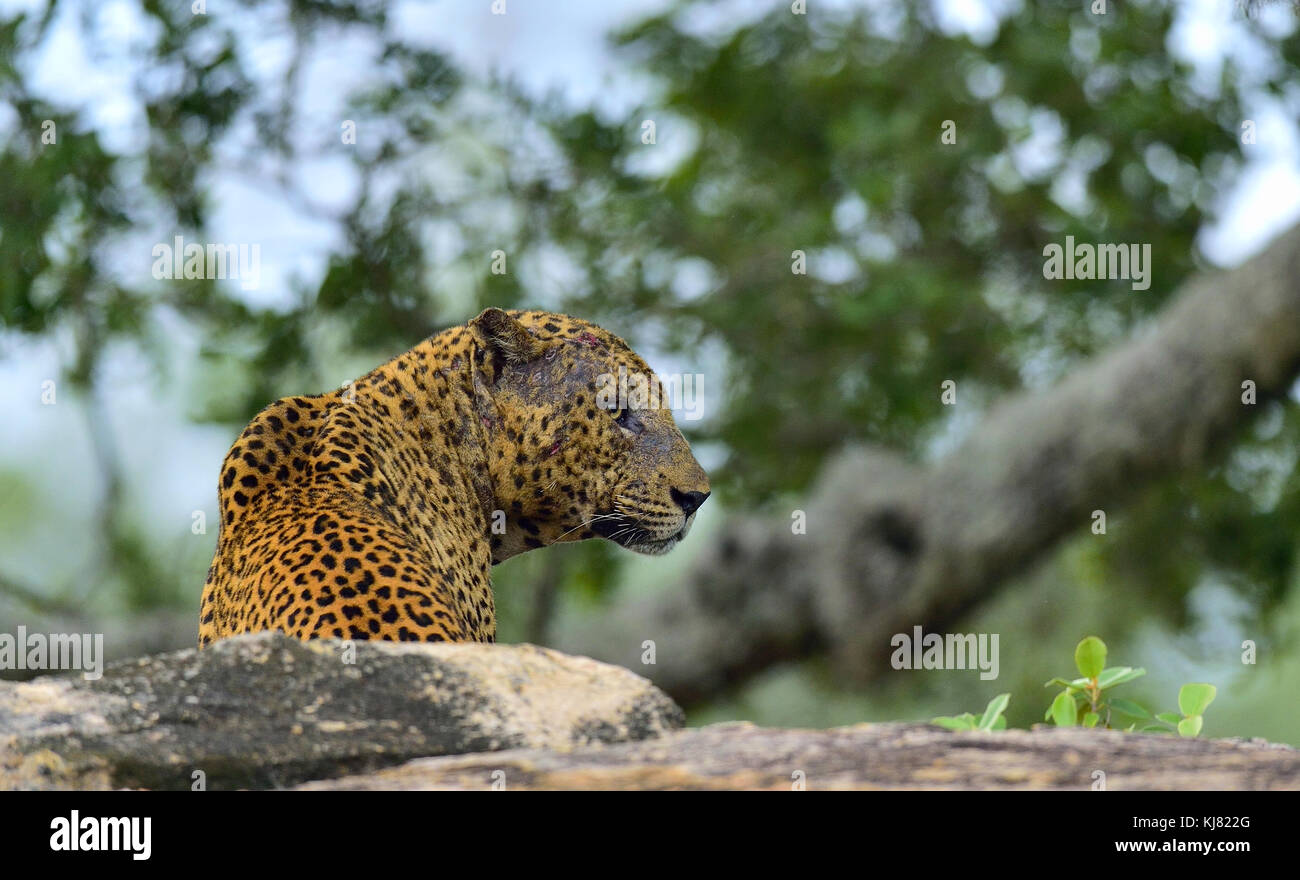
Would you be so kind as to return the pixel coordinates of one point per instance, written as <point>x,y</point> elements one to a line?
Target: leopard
<point>376,511</point>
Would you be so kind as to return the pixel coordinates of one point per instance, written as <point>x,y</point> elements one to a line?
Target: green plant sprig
<point>1084,701</point>
<point>991,720</point>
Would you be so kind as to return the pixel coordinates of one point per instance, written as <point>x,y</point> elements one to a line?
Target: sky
<point>543,45</point>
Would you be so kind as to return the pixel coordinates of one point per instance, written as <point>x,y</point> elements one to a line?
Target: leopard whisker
<point>583,525</point>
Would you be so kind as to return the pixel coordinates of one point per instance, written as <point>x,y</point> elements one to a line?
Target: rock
<point>867,756</point>
<point>266,710</point>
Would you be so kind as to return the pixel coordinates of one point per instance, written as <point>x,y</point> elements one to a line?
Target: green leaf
<point>994,710</point>
<point>1119,675</point>
<point>1169,717</point>
<point>1064,712</point>
<point>964,721</point>
<point>1194,699</point>
<point>1090,719</point>
<point>952,723</point>
<point>1190,726</point>
<point>1090,657</point>
<point>1076,684</point>
<point>1154,728</point>
<point>1129,708</point>
<point>1000,723</point>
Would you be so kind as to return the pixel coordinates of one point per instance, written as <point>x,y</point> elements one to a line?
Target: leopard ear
<point>501,333</point>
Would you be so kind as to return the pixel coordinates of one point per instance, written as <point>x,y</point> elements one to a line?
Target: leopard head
<point>582,442</point>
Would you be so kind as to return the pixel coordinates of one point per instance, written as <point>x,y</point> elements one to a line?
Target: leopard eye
<point>627,420</point>
<point>624,417</point>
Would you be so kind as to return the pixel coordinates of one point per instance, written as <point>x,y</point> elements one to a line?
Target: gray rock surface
<point>269,711</point>
<point>862,757</point>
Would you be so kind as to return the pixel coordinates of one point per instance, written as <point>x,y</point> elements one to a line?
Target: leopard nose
<point>689,502</point>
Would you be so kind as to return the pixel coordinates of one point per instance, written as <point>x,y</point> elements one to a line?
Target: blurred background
<point>378,153</point>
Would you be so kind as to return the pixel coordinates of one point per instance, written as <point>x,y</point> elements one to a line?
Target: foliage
<point>1084,701</point>
<point>817,133</point>
<point>991,720</point>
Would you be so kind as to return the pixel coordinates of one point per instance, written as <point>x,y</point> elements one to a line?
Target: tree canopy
<point>827,215</point>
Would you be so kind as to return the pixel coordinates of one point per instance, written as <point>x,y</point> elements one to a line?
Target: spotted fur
<point>367,512</point>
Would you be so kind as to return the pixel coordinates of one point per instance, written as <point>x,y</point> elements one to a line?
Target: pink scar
<point>588,339</point>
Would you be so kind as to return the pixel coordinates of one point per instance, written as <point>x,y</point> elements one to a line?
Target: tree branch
<point>890,546</point>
